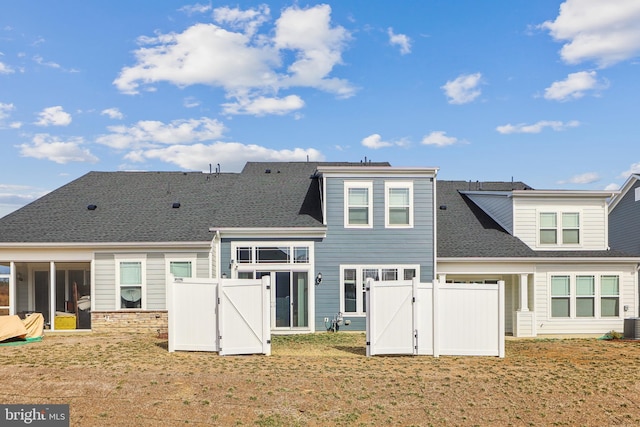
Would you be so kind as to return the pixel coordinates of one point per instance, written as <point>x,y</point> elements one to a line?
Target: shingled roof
<point>466,231</point>
<point>138,206</point>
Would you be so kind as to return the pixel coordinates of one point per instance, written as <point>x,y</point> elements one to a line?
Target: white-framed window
<point>181,266</point>
<point>358,204</point>
<point>609,296</point>
<point>398,198</point>
<point>559,228</point>
<point>353,280</point>
<point>271,252</point>
<point>585,296</point>
<point>131,278</point>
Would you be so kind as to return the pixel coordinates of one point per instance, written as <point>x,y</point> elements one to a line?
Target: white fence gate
<point>227,316</point>
<point>408,317</point>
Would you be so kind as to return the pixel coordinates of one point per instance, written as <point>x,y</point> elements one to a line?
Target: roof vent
<point>92,207</point>
<point>267,171</point>
<point>175,205</point>
<point>443,207</point>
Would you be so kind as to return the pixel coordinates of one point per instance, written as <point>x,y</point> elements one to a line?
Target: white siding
<point>548,325</point>
<point>593,220</point>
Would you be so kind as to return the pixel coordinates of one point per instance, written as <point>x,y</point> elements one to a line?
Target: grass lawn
<point>324,379</point>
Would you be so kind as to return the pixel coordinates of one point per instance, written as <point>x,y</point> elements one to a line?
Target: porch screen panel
<point>4,296</point>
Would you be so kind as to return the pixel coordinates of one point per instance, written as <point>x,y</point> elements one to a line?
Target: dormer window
<point>559,228</point>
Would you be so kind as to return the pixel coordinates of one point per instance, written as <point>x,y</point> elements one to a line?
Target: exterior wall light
<point>318,279</point>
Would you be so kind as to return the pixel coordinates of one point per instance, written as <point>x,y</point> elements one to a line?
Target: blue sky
<point>544,92</point>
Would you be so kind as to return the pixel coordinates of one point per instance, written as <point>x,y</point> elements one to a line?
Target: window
<point>585,296</point>
<point>181,268</point>
<point>131,284</point>
<point>399,204</point>
<point>357,204</point>
<point>609,296</point>
<point>560,296</point>
<point>568,231</point>
<point>570,228</point>
<point>283,253</point>
<point>277,255</point>
<point>548,228</point>
<point>353,281</point>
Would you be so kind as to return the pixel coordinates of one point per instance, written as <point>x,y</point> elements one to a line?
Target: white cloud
<point>150,133</point>
<point>40,60</point>
<point>190,102</point>
<point>5,69</point>
<point>633,169</point>
<point>231,155</point>
<point>612,187</point>
<point>606,32</point>
<point>244,64</point>
<point>574,86</point>
<point>463,89</point>
<point>113,113</point>
<point>400,40</point>
<point>13,197</point>
<point>195,8</point>
<point>5,109</point>
<point>585,178</point>
<point>375,141</point>
<point>318,47</point>
<point>261,106</point>
<point>247,21</point>
<point>49,147</point>
<point>537,127</point>
<point>54,116</point>
<point>439,139</point>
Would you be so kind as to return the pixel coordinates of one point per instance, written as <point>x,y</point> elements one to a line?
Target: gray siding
<point>105,279</point>
<point>104,292</point>
<point>373,246</point>
<point>156,282</point>
<point>500,208</point>
<point>624,224</point>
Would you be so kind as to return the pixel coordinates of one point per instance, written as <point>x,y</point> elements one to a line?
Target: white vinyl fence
<point>408,317</point>
<point>227,316</point>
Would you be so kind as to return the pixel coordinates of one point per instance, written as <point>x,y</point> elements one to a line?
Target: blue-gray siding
<point>374,246</point>
<point>624,223</point>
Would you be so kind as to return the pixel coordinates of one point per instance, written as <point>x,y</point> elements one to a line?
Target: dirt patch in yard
<point>324,379</point>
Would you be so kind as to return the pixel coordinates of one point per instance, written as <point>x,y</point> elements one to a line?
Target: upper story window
<point>358,212</point>
<point>559,228</point>
<point>399,204</point>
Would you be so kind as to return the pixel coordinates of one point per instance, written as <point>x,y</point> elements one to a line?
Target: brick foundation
<point>155,322</point>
